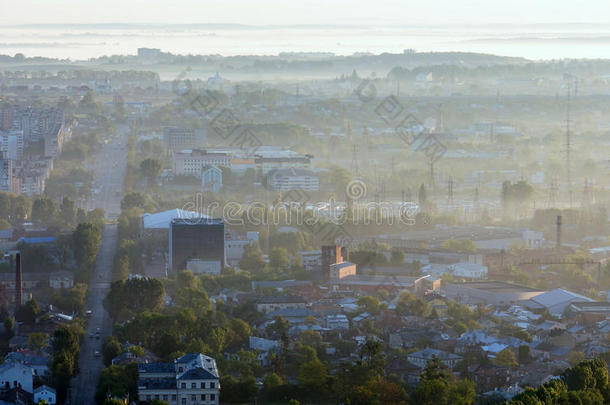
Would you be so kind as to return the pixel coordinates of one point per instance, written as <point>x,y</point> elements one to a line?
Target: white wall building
<point>46,393</point>
<point>292,179</point>
<point>191,162</point>
<point>189,380</point>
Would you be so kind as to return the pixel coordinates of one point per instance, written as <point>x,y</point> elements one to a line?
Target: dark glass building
<point>197,244</point>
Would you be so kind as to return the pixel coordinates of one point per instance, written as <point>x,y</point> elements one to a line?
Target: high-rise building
<point>178,139</point>
<point>197,244</point>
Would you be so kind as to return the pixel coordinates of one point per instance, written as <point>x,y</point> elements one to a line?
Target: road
<point>91,366</point>
<point>109,166</point>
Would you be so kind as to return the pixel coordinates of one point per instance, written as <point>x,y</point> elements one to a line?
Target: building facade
<point>192,162</point>
<point>198,240</point>
<point>192,379</point>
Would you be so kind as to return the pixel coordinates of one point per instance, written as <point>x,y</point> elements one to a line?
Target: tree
<point>151,169</point>
<point>110,349</point>
<point>397,256</point>
<point>86,243</point>
<point>438,385</point>
<point>253,259</point>
<point>43,210</point>
<point>506,358</point>
<point>369,304</point>
<point>38,340</point>
<point>67,212</point>
<point>278,258</point>
<point>313,376</point>
<point>133,200</point>
<point>576,357</point>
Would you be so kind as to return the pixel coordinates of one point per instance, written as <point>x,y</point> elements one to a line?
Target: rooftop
<point>497,287</point>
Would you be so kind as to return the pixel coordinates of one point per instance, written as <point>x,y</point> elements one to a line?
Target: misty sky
<point>261,12</point>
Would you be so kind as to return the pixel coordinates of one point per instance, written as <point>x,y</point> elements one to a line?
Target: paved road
<point>109,166</point>
<point>91,366</point>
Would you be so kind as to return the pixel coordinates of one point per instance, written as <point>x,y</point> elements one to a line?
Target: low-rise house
<point>294,315</point>
<point>338,321</point>
<point>38,363</point>
<point>61,279</point>
<point>421,358</point>
<point>275,303</point>
<point>45,393</point>
<point>17,375</point>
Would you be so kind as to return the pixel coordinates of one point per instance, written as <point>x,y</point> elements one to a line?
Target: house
<point>294,315</point>
<point>211,179</point>
<point>311,260</point>
<point>46,393</point>
<point>275,303</point>
<point>190,379</point>
<point>469,270</point>
<point>338,321</point>
<point>421,358</point>
<point>16,375</point>
<point>61,279</point>
<point>38,363</point>
<point>341,270</point>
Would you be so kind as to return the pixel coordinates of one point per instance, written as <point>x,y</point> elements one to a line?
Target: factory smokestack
<point>18,281</point>
<point>558,243</point>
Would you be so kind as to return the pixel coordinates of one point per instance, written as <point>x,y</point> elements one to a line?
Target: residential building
<point>61,279</point>
<point>45,393</point>
<point>340,270</point>
<point>338,321</point>
<point>235,245</point>
<point>177,139</point>
<point>14,374</point>
<point>275,303</point>
<point>421,358</point>
<point>200,240</point>
<point>191,162</point>
<point>291,178</point>
<point>190,379</point>
<point>277,160</point>
<point>312,260</point>
<point>211,179</point>
<point>6,175</point>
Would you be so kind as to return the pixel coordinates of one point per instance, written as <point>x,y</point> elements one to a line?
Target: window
<point>173,397</point>
<point>193,385</point>
<point>148,397</point>
<point>183,401</point>
<point>212,397</point>
<point>193,398</point>
<point>157,396</point>
<point>203,397</point>
<point>203,385</point>
<point>179,369</point>
<point>165,397</point>
<point>183,385</point>
<point>212,385</point>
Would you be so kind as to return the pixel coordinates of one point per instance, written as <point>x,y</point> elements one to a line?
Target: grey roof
<point>282,299</point>
<point>431,353</point>
<point>197,374</point>
<point>558,296</point>
<point>158,383</point>
<point>156,368</point>
<point>292,313</point>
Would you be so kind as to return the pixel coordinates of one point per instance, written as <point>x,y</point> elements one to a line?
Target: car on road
<point>97,353</point>
<point>89,313</point>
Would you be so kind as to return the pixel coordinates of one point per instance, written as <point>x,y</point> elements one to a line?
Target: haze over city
<point>317,202</point>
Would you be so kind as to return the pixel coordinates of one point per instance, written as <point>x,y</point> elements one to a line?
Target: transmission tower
<point>553,190</point>
<point>450,191</point>
<point>354,166</point>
